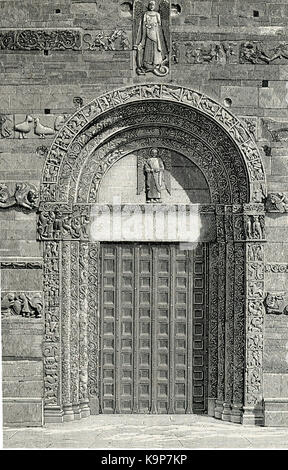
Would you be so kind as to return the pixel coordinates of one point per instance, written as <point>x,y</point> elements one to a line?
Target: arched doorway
<point>98,136</point>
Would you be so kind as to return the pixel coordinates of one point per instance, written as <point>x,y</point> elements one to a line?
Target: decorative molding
<point>276,268</point>
<point>24,196</point>
<point>21,264</point>
<point>276,303</point>
<point>25,304</point>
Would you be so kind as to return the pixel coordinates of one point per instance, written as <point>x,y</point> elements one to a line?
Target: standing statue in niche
<point>154,170</point>
<point>152,46</point>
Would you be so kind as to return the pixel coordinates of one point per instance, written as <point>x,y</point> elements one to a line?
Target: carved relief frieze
<point>230,52</point>
<point>223,52</point>
<point>258,52</point>
<point>276,303</point>
<point>117,40</point>
<point>63,223</point>
<point>24,196</point>
<point>40,40</point>
<point>24,304</point>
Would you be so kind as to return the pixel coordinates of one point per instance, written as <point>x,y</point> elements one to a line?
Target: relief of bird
<point>24,127</point>
<point>42,131</point>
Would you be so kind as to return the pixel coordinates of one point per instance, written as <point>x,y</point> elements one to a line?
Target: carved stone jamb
<point>52,345</point>
<point>255,291</point>
<point>220,222</point>
<point>74,331</point>
<point>66,332</point>
<point>229,314</point>
<point>213,327</point>
<point>239,314</point>
<point>93,327</point>
<point>83,328</point>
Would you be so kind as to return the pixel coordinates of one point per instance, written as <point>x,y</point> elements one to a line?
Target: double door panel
<point>153,323</point>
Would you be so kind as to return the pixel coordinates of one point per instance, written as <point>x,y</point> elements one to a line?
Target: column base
<point>94,405</point>
<point>226,414</point>
<point>253,416</point>
<point>218,409</point>
<point>84,409</point>
<point>237,413</point>
<point>211,406</point>
<point>68,413</point>
<point>77,412</point>
<point>53,415</point>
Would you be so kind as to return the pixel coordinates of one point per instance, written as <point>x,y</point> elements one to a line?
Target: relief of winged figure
<point>152,45</point>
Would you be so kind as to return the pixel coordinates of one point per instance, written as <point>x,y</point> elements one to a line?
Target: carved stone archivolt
<point>172,120</point>
<point>73,139</point>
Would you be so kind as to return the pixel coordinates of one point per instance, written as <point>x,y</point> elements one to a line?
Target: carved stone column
<point>66,286</point>
<point>83,328</point>
<point>74,335</point>
<point>229,315</point>
<point>239,315</point>
<point>52,345</point>
<point>93,327</point>
<point>249,232</point>
<point>66,332</point>
<point>254,225</point>
<point>220,221</point>
<point>213,328</point>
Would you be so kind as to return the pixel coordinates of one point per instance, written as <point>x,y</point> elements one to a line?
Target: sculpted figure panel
<point>153,38</point>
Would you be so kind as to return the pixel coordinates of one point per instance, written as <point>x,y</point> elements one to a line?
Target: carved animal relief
<point>28,304</point>
<point>25,196</point>
<point>276,303</point>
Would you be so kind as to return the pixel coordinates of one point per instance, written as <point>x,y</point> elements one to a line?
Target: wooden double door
<point>153,346</point>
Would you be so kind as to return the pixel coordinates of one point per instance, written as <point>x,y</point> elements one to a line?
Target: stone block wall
<point>56,56</point>
<point>22,371</point>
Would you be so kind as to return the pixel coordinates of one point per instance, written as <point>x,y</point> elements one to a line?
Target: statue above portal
<point>154,170</point>
<point>152,47</point>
